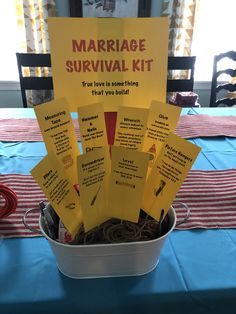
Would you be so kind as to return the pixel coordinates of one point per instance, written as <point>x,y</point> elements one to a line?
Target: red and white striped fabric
<point>25,130</point>
<point>202,125</point>
<point>211,197</point>
<point>189,126</point>
<point>29,195</point>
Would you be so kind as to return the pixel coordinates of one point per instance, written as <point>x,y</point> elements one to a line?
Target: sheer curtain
<point>32,23</point>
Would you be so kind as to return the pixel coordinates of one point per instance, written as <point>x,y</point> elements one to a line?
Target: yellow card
<point>131,127</point>
<point>167,174</point>
<point>59,134</point>
<point>128,174</point>
<point>60,192</point>
<point>92,125</point>
<point>162,120</point>
<point>93,174</point>
<point>117,61</point>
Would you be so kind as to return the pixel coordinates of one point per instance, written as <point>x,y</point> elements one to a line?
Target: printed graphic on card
<point>59,134</point>
<point>93,178</point>
<point>131,127</point>
<point>167,174</point>
<point>162,120</point>
<point>128,174</point>
<point>58,189</point>
<point>92,126</point>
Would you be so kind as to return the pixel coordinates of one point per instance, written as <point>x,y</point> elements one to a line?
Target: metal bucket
<point>110,260</point>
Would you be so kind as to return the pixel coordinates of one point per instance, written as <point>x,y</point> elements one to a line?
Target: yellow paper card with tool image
<point>127,179</point>
<point>93,176</point>
<point>92,127</point>
<point>162,120</point>
<point>59,135</point>
<point>59,191</point>
<point>117,61</point>
<point>167,174</point>
<point>131,127</point>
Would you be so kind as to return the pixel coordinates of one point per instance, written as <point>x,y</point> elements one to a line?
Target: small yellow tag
<point>92,126</point>
<point>162,120</point>
<point>128,174</point>
<point>131,127</point>
<point>167,174</point>
<point>59,191</point>
<point>93,174</point>
<point>59,134</point>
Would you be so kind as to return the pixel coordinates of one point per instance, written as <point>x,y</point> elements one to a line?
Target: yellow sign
<point>128,174</point>
<point>131,127</point>
<point>167,174</point>
<point>118,61</point>
<point>162,120</point>
<point>93,174</point>
<point>59,191</point>
<point>59,134</point>
<point>92,125</point>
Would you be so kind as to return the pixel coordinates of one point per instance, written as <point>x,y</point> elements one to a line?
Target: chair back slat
<point>181,63</point>
<point>33,60</point>
<point>216,98</point>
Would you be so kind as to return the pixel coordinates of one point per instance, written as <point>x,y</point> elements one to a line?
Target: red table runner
<point>210,195</point>
<point>189,126</point>
<point>29,195</point>
<point>203,125</point>
<point>24,130</point>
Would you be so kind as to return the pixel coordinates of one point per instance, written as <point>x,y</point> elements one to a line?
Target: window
<point>10,41</point>
<point>20,20</point>
<point>214,33</point>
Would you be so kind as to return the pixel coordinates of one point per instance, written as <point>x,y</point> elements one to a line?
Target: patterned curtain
<point>32,18</point>
<point>181,14</point>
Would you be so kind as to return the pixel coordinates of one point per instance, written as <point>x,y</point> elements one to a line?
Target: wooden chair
<point>217,87</point>
<point>181,63</point>
<point>34,60</point>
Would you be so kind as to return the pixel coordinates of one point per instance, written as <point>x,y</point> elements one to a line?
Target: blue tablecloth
<point>196,272</point>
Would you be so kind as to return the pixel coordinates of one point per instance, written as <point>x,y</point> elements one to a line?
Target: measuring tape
<point>11,201</point>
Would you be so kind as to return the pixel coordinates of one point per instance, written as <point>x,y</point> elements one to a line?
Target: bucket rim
<point>109,244</point>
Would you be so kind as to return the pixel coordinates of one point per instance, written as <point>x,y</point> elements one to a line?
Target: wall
<point>12,98</point>
<point>203,89</point>
<point>62,7</point>
<point>156,8</point>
